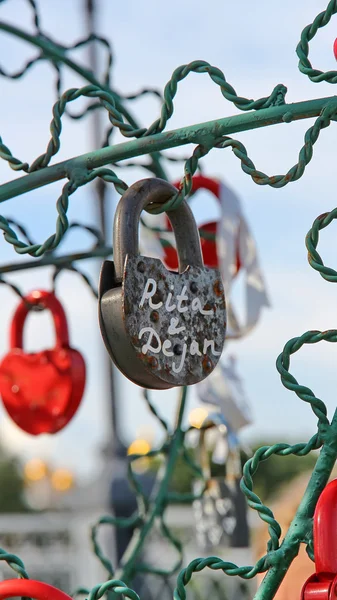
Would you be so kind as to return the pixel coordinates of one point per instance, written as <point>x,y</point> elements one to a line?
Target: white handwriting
<point>193,349</point>
<point>147,346</point>
<point>180,302</point>
<point>196,305</point>
<point>147,295</point>
<point>173,329</point>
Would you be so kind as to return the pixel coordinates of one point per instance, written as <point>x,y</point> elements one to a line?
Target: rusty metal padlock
<point>161,328</point>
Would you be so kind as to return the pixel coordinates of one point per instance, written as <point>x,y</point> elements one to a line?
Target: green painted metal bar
<point>137,544</point>
<point>298,530</point>
<point>202,133</point>
<point>56,261</point>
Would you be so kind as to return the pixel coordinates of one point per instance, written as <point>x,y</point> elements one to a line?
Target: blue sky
<point>255,47</point>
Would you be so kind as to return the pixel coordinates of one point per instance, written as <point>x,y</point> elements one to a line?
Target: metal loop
<point>311,242</point>
<point>42,300</point>
<point>127,217</point>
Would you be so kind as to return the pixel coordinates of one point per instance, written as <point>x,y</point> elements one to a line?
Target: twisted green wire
<point>14,562</point>
<point>311,242</point>
<point>115,585</point>
<point>177,545</point>
<point>283,361</point>
<point>304,393</point>
<point>62,205</point>
<point>216,564</point>
<point>120,522</point>
<point>191,165</point>
<point>15,163</point>
<point>302,49</point>
<point>250,468</point>
<point>154,411</point>
<point>305,155</point>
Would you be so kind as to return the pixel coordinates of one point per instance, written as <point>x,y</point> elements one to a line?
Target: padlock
<point>207,231</point>
<point>161,328</point>
<point>220,509</point>
<point>322,585</point>
<point>29,588</point>
<point>41,391</point>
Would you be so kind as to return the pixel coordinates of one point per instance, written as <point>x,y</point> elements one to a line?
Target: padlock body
<point>42,391</point>
<point>220,514</point>
<point>162,328</point>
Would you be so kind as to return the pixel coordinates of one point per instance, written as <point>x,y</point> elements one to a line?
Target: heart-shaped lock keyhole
<point>41,391</point>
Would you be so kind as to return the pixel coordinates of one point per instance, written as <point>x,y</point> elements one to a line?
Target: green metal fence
<point>80,170</point>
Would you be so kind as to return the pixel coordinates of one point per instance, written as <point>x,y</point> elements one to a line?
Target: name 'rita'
<point>179,303</point>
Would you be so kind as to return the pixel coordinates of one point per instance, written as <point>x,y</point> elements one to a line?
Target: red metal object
<point>335,48</point>
<point>323,584</point>
<point>12,588</point>
<point>41,391</point>
<point>208,246</point>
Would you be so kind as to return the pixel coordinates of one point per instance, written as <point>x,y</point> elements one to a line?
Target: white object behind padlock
<point>224,388</point>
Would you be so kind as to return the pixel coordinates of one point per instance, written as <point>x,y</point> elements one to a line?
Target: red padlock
<point>323,584</point>
<point>41,391</point>
<point>335,48</point>
<point>29,588</point>
<point>208,242</point>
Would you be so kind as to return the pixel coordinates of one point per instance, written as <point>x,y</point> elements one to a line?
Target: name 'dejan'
<point>154,343</point>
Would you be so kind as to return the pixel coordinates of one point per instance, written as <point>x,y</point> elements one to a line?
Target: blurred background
<point>82,469</point>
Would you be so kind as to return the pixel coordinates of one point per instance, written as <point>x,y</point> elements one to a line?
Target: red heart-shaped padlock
<point>38,590</point>
<point>41,391</point>
<point>207,231</point>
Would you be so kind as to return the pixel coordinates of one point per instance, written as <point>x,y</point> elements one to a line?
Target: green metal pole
<point>137,543</point>
<point>56,261</point>
<point>302,522</point>
<point>202,133</point>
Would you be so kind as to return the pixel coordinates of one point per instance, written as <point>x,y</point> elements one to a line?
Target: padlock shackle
<point>45,300</point>
<point>38,590</point>
<point>126,224</point>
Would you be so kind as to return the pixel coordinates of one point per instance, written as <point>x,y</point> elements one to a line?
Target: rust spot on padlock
<point>217,287</point>
<point>207,365</point>
<point>153,362</point>
<point>141,267</point>
<point>152,316</point>
<point>208,306</point>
